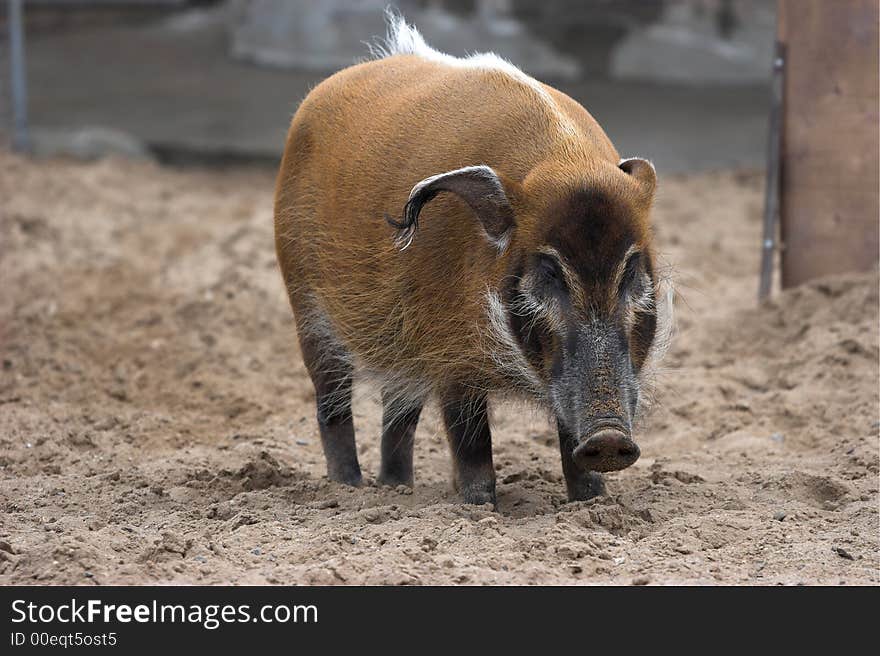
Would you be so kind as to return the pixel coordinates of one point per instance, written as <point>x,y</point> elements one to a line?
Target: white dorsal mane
<point>404,39</point>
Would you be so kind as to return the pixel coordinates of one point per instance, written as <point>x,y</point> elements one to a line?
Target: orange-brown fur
<point>358,144</point>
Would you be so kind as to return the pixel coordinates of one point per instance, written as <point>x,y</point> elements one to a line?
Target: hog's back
<point>355,148</point>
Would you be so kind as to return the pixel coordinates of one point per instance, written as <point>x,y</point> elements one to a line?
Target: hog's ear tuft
<point>478,186</point>
<point>642,170</point>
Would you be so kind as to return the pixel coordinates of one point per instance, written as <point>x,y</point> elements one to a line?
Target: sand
<point>157,424</point>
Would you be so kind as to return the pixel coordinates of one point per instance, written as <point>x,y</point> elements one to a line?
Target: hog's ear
<point>478,186</point>
<point>643,171</point>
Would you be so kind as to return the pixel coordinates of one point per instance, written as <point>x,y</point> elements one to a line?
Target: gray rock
<point>89,143</point>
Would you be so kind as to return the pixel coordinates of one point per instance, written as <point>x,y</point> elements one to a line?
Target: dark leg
<point>581,484</point>
<point>331,374</point>
<point>399,420</point>
<point>467,428</point>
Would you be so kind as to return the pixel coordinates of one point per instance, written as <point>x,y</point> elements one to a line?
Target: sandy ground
<point>156,422</point>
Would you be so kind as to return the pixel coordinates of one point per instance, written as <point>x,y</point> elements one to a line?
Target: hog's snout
<point>607,449</point>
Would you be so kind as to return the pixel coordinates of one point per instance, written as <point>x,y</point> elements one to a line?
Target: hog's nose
<point>606,450</point>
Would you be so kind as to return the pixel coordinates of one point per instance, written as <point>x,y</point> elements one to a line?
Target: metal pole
<point>771,192</point>
<point>18,83</point>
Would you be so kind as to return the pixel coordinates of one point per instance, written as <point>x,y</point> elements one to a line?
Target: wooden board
<point>830,194</point>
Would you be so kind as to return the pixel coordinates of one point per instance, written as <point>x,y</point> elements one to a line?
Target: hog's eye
<point>548,275</point>
<point>633,278</point>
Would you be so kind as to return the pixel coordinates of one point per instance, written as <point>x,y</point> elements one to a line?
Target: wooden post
<point>830,199</point>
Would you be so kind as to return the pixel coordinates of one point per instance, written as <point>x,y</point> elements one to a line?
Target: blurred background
<point>683,82</point>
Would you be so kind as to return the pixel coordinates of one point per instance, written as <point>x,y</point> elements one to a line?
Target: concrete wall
<point>679,41</point>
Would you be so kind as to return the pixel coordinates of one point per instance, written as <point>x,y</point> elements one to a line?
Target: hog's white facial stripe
<point>621,267</point>
<point>504,348</point>
<point>534,309</point>
<point>645,301</point>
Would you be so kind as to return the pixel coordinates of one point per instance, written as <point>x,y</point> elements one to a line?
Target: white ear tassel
<point>404,237</point>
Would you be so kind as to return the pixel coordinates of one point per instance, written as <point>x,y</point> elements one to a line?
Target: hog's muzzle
<point>607,448</point>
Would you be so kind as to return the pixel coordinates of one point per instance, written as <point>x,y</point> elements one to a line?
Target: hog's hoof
<point>346,476</point>
<point>394,480</point>
<point>478,495</point>
<point>588,485</point>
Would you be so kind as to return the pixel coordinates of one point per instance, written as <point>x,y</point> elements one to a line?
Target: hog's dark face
<point>583,306</point>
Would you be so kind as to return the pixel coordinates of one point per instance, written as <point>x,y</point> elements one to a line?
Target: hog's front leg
<point>399,420</point>
<point>581,484</point>
<point>467,428</point>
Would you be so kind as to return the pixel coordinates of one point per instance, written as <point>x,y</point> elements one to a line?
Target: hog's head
<point>583,302</point>
<point>579,296</point>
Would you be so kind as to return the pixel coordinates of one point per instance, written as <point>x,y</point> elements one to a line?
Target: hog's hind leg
<point>400,416</point>
<point>330,369</point>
